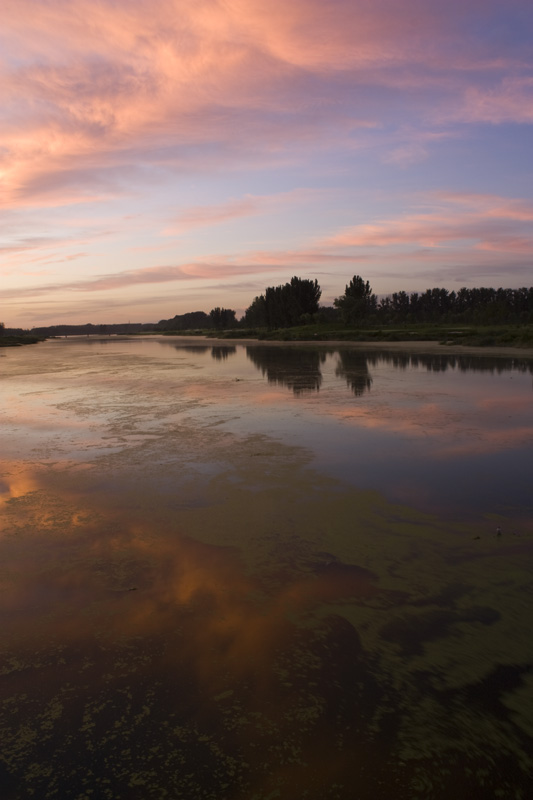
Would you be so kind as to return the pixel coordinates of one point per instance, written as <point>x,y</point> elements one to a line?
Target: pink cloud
<point>145,275</point>
<point>101,85</point>
<point>492,205</point>
<point>413,146</point>
<point>485,222</point>
<point>472,225</point>
<point>253,263</point>
<point>508,100</point>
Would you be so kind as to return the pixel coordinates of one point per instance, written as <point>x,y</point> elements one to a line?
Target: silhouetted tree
<point>304,295</point>
<point>357,303</point>
<point>255,314</point>
<point>222,318</point>
<point>284,306</point>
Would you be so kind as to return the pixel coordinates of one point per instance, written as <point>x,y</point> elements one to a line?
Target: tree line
<point>294,303</point>
<point>481,305</point>
<point>297,303</point>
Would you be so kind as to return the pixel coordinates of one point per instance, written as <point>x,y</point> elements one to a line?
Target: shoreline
<point>429,346</point>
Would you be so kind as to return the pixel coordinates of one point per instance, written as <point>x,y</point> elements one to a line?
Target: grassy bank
<point>470,335</point>
<point>17,341</point>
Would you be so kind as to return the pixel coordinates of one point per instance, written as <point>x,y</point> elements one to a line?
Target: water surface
<point>261,571</point>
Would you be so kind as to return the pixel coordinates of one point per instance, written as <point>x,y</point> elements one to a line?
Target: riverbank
<point>18,341</point>
<point>496,335</point>
<point>429,346</point>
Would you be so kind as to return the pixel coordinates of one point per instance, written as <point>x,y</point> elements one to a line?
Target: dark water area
<point>253,571</point>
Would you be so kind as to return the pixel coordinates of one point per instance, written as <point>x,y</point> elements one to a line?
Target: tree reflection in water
<point>298,368</point>
<point>441,362</point>
<point>192,348</point>
<point>222,352</point>
<point>353,367</point>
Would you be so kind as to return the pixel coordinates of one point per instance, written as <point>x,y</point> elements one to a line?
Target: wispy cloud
<point>485,222</point>
<point>218,268</point>
<point>508,100</point>
<point>130,278</point>
<point>469,225</point>
<point>247,206</point>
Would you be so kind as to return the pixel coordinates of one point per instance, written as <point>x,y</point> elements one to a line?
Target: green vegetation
<point>467,335</point>
<point>473,335</point>
<point>17,341</point>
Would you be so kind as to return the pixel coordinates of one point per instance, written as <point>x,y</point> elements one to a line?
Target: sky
<point>165,156</point>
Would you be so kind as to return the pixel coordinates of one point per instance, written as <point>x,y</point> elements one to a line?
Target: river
<point>255,571</point>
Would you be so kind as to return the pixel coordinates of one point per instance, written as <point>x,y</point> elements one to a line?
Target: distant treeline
<point>89,329</point>
<point>297,303</point>
<point>194,320</point>
<point>218,318</point>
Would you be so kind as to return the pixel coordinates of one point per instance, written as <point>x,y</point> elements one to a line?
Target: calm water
<point>255,572</point>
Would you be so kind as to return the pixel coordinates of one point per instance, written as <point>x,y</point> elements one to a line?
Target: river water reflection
<point>255,571</point>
